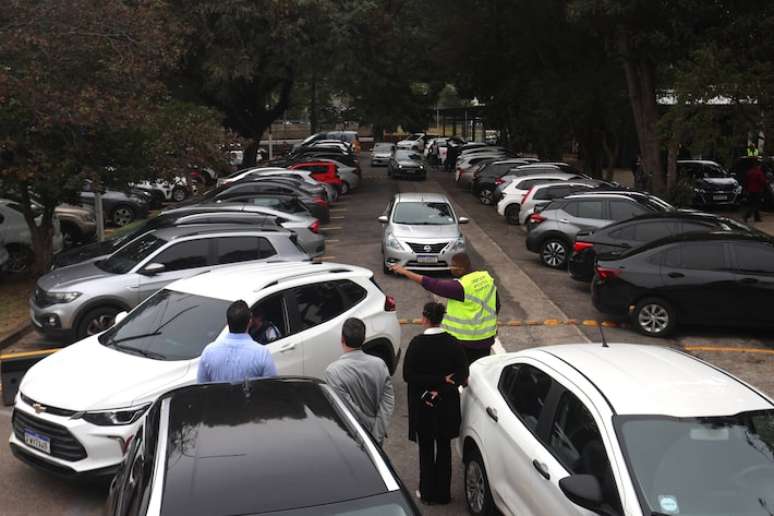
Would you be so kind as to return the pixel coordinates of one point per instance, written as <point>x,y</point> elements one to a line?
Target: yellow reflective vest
<point>476,317</point>
<point>752,152</point>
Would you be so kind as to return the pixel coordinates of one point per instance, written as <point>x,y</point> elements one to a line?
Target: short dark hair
<point>238,316</point>
<point>259,313</point>
<point>434,312</point>
<point>462,261</point>
<point>353,333</point>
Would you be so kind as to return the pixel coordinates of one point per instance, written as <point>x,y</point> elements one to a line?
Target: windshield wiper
<point>141,352</point>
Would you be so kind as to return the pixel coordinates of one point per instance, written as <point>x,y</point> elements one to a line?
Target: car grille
<point>63,444</point>
<point>433,248</point>
<point>438,265</point>
<point>49,409</point>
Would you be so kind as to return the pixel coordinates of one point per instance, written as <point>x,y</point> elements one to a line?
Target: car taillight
<point>315,227</point>
<point>499,181</point>
<point>389,304</point>
<point>536,218</point>
<point>524,197</point>
<point>320,202</point>
<point>607,273</point>
<point>580,246</point>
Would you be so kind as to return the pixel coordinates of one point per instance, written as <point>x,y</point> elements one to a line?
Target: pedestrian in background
<point>752,150</point>
<point>754,185</point>
<point>235,357</point>
<point>362,381</point>
<point>471,313</point>
<point>434,367</point>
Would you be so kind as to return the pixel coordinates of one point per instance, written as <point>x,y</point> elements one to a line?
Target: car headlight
<point>738,189</point>
<point>400,166</point>
<point>62,297</point>
<point>117,417</point>
<point>393,243</point>
<point>458,245</point>
<point>699,190</point>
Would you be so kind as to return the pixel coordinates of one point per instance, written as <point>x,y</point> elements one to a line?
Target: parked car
<point>621,237</point>
<point>543,193</point>
<point>718,278</point>
<point>227,449</point>
<point>381,154</point>
<point>406,163</point>
<point>245,173</point>
<point>334,145</point>
<point>350,176</point>
<point>162,191</point>
<point>108,380</point>
<point>488,177</point>
<point>533,168</point>
<point>414,142</point>
<point>312,153</point>
<point>421,232</point>
<point>468,165</point>
<point>331,192</point>
<point>628,430</point>
<point>4,255</point>
<point>82,300</point>
<point>77,223</point>
<point>515,192</point>
<point>551,231</point>
<point>350,137</point>
<point>16,236</point>
<point>323,171</point>
<point>118,208</point>
<point>712,185</point>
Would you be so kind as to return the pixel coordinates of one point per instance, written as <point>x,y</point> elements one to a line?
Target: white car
<point>246,172</point>
<point>629,430</point>
<point>544,193</point>
<point>303,175</point>
<point>176,190</point>
<point>15,234</point>
<point>514,193</point>
<point>415,141</point>
<point>77,409</point>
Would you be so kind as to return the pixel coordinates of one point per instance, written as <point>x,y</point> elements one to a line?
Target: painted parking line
<point>339,209</point>
<point>338,218</point>
<point>327,258</point>
<point>722,349</point>
<point>330,228</point>
<point>331,241</point>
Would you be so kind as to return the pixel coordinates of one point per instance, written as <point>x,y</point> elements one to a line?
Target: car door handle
<point>492,413</point>
<point>542,469</point>
<point>676,275</point>
<point>287,347</point>
<point>564,220</point>
<point>748,281</point>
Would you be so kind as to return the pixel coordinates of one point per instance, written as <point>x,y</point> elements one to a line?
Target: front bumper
<point>56,320</point>
<point>429,261</point>
<point>721,198</point>
<point>501,205</point>
<point>377,160</point>
<point>409,172</point>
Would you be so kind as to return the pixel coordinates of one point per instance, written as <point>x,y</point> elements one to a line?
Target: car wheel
<point>179,194</point>
<point>654,317</point>
<point>553,253</point>
<point>96,321</point>
<point>486,196</point>
<point>122,215</point>
<point>512,214</point>
<point>19,259</point>
<point>477,494</point>
<point>345,188</point>
<point>71,235</point>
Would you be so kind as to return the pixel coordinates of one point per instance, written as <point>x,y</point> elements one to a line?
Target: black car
<point>406,163</point>
<point>718,278</point>
<point>621,237</point>
<point>188,215</point>
<point>118,208</point>
<point>487,178</point>
<point>284,446</point>
<point>712,185</point>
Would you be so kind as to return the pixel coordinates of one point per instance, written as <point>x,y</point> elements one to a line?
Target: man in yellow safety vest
<point>471,312</point>
<point>752,151</point>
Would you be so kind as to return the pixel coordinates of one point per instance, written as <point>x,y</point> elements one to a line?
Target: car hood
<point>64,277</point>
<point>447,231</point>
<point>89,376</point>
<point>385,154</point>
<point>717,182</point>
<point>84,253</point>
<point>409,163</point>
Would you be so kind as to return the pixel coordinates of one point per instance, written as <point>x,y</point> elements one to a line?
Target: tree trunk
<point>41,236</point>
<point>641,85</point>
<point>611,152</point>
<point>251,152</point>
<point>674,148</point>
<point>313,115</point>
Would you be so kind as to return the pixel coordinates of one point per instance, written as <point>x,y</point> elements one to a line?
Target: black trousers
<point>754,200</point>
<point>434,468</point>
<point>474,354</point>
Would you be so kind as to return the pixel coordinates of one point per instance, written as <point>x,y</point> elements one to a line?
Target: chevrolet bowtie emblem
<point>38,408</point>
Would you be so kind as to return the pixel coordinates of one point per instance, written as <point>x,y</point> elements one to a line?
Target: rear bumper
<point>608,299</point>
<point>581,266</point>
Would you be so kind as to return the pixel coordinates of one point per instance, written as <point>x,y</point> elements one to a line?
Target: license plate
<point>427,259</point>
<point>37,441</point>
<point>719,197</point>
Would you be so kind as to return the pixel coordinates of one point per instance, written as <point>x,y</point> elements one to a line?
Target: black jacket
<point>429,359</point>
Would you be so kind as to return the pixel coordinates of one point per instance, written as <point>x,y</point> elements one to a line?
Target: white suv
<point>629,430</point>
<point>77,409</point>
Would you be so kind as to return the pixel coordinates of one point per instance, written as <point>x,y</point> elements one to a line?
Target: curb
<point>15,334</point>
<point>547,322</point>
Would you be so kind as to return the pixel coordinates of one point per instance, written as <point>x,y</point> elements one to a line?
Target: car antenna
<point>602,334</point>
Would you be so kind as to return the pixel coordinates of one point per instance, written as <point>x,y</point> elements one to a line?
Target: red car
<point>322,171</point>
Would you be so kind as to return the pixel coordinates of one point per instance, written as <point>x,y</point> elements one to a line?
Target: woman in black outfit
<point>434,367</point>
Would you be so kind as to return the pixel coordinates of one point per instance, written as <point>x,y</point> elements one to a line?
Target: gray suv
<point>551,231</point>
<point>83,299</point>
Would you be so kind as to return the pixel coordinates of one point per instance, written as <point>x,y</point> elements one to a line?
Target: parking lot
<point>540,306</point>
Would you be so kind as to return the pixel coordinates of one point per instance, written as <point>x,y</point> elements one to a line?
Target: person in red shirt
<point>754,185</point>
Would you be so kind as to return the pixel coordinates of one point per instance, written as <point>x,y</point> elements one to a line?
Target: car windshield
<point>408,155</point>
<point>383,147</point>
<point>712,172</point>
<point>656,204</point>
<point>423,213</point>
<point>702,466</point>
<point>169,325</point>
<point>126,258</point>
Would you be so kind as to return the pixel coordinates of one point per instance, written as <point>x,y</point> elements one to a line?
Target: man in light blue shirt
<point>235,357</point>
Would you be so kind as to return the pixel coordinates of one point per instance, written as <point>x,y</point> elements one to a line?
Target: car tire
<point>20,258</point>
<point>654,317</point>
<point>96,321</point>
<point>122,215</point>
<point>512,214</point>
<point>478,496</point>
<point>345,188</point>
<point>486,197</point>
<point>179,194</point>
<point>554,253</point>
<point>71,235</point>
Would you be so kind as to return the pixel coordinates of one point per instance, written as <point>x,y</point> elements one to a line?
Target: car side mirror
<point>383,219</point>
<point>582,490</point>
<point>464,220</point>
<point>153,268</point>
<point>120,316</point>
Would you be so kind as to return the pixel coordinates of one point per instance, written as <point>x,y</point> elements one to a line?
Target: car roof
<point>420,197</point>
<point>189,230</point>
<point>655,380</point>
<point>698,162</point>
<point>264,446</point>
<point>246,281</point>
<point>675,215</point>
<point>544,175</point>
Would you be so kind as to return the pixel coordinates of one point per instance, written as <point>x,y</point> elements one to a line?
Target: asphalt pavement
<point>540,306</point>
